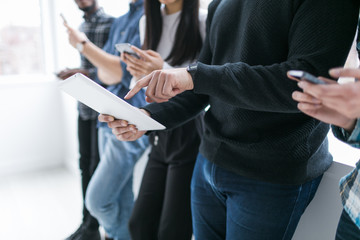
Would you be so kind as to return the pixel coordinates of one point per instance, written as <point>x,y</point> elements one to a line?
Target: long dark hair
<point>188,41</point>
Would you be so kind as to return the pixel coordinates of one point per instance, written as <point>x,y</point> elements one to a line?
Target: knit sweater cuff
<point>211,74</point>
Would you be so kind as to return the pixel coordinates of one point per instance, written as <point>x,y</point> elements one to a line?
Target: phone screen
<point>301,75</point>
<point>126,48</point>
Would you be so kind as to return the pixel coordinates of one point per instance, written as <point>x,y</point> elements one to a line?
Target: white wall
<point>37,125</point>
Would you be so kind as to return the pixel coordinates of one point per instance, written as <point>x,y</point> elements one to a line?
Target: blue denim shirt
<point>350,184</point>
<point>125,29</point>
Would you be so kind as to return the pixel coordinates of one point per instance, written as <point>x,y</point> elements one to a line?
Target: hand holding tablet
<point>103,101</point>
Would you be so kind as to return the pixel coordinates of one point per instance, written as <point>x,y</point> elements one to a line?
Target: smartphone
<point>63,18</point>
<point>126,48</point>
<point>301,75</point>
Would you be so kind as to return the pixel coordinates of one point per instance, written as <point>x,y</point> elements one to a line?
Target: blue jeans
<point>109,196</point>
<point>347,229</point>
<point>228,206</point>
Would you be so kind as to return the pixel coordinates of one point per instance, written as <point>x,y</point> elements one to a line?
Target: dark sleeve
<point>351,138</point>
<point>178,109</point>
<point>320,37</point>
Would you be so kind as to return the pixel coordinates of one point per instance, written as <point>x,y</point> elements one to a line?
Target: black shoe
<point>85,233</point>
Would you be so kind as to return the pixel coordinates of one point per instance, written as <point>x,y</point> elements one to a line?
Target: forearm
<point>107,63</point>
<point>248,87</point>
<point>178,110</point>
<point>255,79</point>
<point>108,78</point>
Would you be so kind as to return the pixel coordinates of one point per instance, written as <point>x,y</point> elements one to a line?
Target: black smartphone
<point>301,75</point>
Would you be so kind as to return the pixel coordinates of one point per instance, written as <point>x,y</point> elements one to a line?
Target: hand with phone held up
<point>75,36</point>
<point>333,103</point>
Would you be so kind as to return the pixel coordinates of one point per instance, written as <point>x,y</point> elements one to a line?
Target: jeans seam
<point>292,213</point>
<point>212,182</point>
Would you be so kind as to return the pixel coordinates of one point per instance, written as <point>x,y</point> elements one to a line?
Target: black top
<point>253,126</point>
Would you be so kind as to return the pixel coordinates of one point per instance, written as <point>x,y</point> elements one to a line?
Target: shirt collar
<point>95,15</point>
<point>136,5</point>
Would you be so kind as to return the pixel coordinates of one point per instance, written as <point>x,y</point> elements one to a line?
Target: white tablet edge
<point>103,101</point>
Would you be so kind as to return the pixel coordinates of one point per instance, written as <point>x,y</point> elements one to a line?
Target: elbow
<point>108,78</point>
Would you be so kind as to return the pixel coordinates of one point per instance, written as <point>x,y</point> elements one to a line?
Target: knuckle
<point>353,91</point>
<point>320,92</point>
<point>127,135</point>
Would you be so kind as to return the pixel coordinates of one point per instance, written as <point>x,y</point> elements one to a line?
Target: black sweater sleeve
<point>178,110</point>
<point>319,38</point>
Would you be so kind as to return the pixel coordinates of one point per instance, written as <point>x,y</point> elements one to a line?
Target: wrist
<point>350,125</point>
<point>80,45</point>
<point>191,69</point>
<point>190,82</point>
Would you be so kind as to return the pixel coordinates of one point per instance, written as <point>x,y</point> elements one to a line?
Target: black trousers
<point>162,210</point>
<point>89,159</point>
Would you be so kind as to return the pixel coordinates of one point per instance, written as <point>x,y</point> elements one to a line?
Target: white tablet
<point>103,101</point>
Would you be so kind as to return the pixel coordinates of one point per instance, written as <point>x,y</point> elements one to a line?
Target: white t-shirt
<point>170,25</point>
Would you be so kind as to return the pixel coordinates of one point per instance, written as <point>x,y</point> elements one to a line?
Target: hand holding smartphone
<point>126,48</point>
<point>301,75</point>
<point>63,18</point>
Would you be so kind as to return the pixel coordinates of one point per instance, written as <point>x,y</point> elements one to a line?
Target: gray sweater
<point>253,127</point>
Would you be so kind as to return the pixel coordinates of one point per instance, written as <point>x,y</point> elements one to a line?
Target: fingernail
<point>335,72</point>
<point>301,84</point>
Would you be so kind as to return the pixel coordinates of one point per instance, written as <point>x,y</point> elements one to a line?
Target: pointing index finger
<point>138,86</point>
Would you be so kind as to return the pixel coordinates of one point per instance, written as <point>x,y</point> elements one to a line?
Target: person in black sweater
<point>261,160</point>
